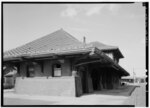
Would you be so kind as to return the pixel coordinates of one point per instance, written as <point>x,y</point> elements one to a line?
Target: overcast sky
<point>121,25</point>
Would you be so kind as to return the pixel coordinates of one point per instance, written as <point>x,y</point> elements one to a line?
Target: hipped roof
<point>57,43</point>
<point>56,40</point>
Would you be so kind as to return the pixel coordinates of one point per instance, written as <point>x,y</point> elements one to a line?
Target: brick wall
<point>38,70</point>
<point>23,69</point>
<point>47,68</point>
<point>66,68</point>
<point>9,80</point>
<point>61,86</point>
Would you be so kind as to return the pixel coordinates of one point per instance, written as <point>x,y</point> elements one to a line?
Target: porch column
<point>108,79</point>
<point>100,81</point>
<point>89,80</point>
<point>23,68</point>
<point>118,80</point>
<point>18,70</point>
<point>113,79</point>
<point>104,80</point>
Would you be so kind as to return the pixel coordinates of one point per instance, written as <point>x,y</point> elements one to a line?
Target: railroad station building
<point>60,65</point>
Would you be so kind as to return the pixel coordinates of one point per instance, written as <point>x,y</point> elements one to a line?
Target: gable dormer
<point>111,51</point>
<point>112,55</point>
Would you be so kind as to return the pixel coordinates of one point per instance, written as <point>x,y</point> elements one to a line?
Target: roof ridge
<point>69,35</point>
<point>47,35</point>
<point>36,44</point>
<point>31,41</point>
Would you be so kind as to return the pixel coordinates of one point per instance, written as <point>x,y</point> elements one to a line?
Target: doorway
<point>83,76</point>
<point>95,79</point>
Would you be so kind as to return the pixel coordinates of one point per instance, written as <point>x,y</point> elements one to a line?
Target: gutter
<point>56,53</point>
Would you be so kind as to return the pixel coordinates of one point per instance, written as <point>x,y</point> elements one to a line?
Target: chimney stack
<point>84,39</point>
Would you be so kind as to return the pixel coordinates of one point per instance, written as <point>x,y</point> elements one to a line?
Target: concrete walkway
<point>138,97</point>
<point>104,97</point>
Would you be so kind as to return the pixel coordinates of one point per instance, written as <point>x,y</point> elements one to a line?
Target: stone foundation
<point>53,86</point>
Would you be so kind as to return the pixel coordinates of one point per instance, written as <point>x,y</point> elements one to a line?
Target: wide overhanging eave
<point>29,56</point>
<point>100,53</point>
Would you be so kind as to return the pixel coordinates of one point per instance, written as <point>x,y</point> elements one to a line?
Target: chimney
<point>84,39</point>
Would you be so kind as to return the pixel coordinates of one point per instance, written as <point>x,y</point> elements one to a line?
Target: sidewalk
<point>104,97</point>
<point>121,91</point>
<point>138,97</point>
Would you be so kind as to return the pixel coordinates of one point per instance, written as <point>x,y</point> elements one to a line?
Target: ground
<point>138,97</point>
<point>126,95</point>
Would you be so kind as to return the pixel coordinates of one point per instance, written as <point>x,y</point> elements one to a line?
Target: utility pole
<point>84,40</point>
<point>134,77</point>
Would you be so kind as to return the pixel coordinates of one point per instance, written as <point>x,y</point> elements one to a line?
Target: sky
<point>121,25</point>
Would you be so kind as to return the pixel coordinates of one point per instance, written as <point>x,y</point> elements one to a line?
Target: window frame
<point>53,70</point>
<point>29,72</point>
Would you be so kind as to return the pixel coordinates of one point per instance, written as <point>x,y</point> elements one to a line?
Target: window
<point>30,71</point>
<point>110,55</point>
<point>56,70</point>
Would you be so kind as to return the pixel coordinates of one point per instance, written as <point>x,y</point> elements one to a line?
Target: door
<point>95,79</point>
<point>83,75</point>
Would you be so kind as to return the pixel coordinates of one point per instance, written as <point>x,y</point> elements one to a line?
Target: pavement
<point>138,97</point>
<point>118,96</point>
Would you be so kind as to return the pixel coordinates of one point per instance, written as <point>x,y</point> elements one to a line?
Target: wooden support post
<point>113,79</point>
<point>105,80</point>
<point>100,81</point>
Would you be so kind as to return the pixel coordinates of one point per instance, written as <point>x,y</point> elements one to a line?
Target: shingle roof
<point>102,46</point>
<point>105,47</point>
<point>57,42</point>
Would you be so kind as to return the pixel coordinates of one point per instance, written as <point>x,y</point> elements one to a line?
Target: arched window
<point>57,70</point>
